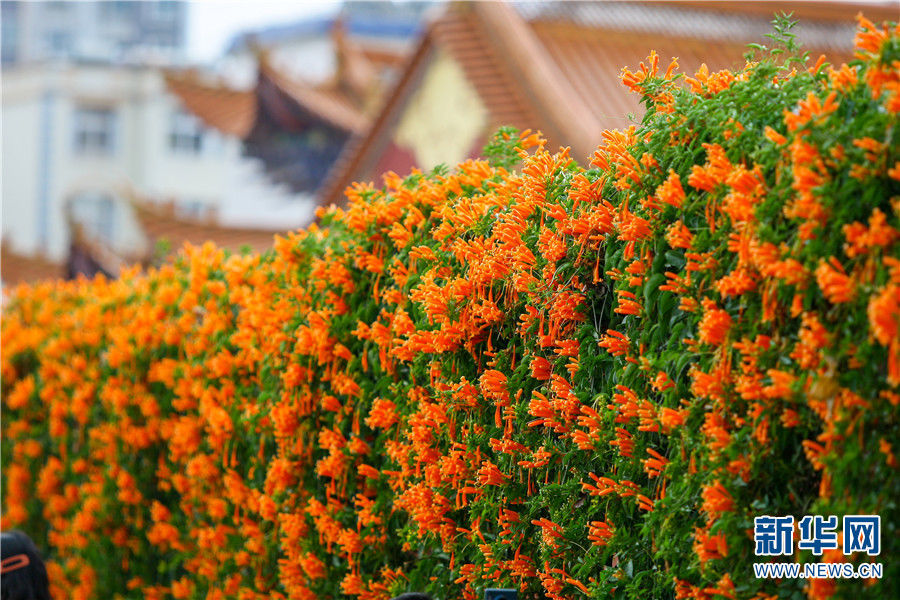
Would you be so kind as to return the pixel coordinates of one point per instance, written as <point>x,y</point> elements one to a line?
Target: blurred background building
<point>105,31</point>
<point>112,142</point>
<point>555,67</point>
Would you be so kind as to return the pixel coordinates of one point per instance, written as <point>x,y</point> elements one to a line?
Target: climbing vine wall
<point>578,382</point>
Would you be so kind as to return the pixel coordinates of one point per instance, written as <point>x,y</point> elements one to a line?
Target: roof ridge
<point>516,43</point>
<point>224,108</point>
<point>346,117</point>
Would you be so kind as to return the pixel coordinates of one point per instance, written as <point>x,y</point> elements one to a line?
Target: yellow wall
<point>444,118</point>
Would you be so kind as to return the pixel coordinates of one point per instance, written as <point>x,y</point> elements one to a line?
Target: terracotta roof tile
<point>555,66</point>
<point>711,21</point>
<point>591,58</point>
<point>361,151</point>
<point>225,109</point>
<point>16,268</point>
<point>468,40</point>
<point>843,11</point>
<point>234,112</point>
<point>160,222</point>
<point>591,61</point>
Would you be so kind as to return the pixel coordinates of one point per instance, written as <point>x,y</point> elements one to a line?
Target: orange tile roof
<point>220,107</point>
<point>555,66</point>
<point>160,222</point>
<point>383,57</point>
<point>835,11</point>
<point>234,112</point>
<point>16,268</point>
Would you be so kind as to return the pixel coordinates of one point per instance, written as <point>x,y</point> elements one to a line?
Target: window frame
<point>186,133</point>
<point>94,129</point>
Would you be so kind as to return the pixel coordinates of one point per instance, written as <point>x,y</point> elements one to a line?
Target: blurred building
<point>554,67</point>
<point>305,49</point>
<point>80,139</point>
<point>313,86</point>
<point>91,146</point>
<point>106,152</point>
<point>296,126</point>
<point>110,31</point>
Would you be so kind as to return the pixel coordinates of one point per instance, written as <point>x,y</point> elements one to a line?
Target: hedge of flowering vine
<point>522,373</point>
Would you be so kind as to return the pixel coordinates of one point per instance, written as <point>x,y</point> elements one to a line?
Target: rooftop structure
<point>555,67</point>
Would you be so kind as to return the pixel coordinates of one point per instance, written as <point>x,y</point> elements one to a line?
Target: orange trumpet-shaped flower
<point>884,319</point>
<point>716,500</point>
<point>671,191</point>
<point>540,368</point>
<point>709,547</point>
<point>628,304</point>
<point>599,533</point>
<point>616,343</point>
<point>655,465</point>
<point>834,282</point>
<point>490,474</point>
<point>715,323</point>
<point>679,236</point>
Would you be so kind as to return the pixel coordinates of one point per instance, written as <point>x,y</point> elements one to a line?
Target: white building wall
<point>43,170</point>
<point>20,156</point>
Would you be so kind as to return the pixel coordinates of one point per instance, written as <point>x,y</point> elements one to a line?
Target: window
<point>164,40</point>
<point>94,130</point>
<point>185,133</point>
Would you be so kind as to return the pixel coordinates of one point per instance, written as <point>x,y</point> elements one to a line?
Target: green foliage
<point>575,382</point>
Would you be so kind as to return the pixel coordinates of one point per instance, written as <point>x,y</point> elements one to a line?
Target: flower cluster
<point>575,382</point>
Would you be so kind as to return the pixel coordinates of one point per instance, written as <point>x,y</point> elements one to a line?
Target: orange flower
<point>671,418</point>
<point>714,324</point>
<point>599,533</point>
<point>869,38</point>
<point>490,474</point>
<point>679,236</point>
<point>781,384</point>
<point>739,281</point>
<point>671,191</point>
<point>541,368</point>
<point>716,500</point>
<point>774,136</point>
<point>628,304</point>
<point>834,282</point>
<point>383,414</point>
<point>655,465</point>
<point>884,314</point>
<point>709,547</point>
<point>493,387</point>
<point>862,239</point>
<point>884,319</point>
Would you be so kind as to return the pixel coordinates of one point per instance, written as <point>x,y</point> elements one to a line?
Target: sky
<point>213,23</point>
